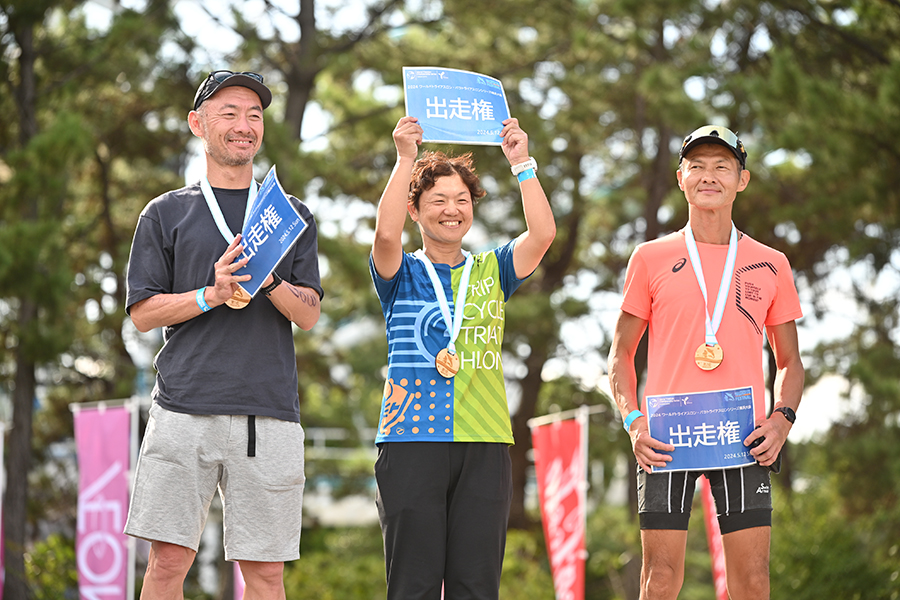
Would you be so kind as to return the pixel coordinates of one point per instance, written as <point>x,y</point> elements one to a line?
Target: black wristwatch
<point>788,413</point>
<point>276,281</point>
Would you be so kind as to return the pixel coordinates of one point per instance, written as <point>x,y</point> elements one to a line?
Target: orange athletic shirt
<point>660,287</point>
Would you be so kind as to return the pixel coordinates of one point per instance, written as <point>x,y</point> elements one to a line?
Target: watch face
<point>788,413</point>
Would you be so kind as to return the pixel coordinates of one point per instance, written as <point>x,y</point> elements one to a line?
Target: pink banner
<point>238,582</point>
<point>714,538</point>
<point>101,547</point>
<point>559,466</point>
<point>2,529</point>
<point>2,558</point>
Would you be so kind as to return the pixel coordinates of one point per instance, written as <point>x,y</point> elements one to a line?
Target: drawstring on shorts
<point>251,435</point>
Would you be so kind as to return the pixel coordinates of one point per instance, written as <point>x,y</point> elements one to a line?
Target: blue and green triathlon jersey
<point>419,404</point>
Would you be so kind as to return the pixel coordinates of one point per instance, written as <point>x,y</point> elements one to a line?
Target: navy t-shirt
<point>225,361</point>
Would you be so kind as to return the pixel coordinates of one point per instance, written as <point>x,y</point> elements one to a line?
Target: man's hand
<point>774,430</point>
<point>226,280</point>
<point>647,450</point>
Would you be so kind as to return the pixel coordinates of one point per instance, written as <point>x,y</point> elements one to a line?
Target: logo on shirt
<point>396,400</point>
<point>762,489</point>
<point>679,265</point>
<point>748,291</point>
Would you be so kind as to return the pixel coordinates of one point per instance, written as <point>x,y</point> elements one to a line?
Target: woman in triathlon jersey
<point>443,467</point>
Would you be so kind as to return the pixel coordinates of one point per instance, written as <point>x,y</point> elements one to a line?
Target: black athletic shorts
<point>743,498</point>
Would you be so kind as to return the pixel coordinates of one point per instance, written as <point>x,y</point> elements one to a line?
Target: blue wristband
<point>631,417</point>
<point>201,300</point>
<point>526,175</point>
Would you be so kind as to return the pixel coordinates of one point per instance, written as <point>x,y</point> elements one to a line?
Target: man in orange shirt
<point>707,293</point>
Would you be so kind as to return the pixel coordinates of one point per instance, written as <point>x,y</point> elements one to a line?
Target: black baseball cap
<point>220,79</point>
<point>713,134</point>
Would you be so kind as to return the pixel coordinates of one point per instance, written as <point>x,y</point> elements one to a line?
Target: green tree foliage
<point>51,568</point>
<point>95,128</point>
<point>830,99</point>
<point>605,88</point>
<point>821,550</point>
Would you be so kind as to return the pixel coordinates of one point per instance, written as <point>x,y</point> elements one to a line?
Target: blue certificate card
<point>270,231</point>
<point>706,428</point>
<point>455,107</point>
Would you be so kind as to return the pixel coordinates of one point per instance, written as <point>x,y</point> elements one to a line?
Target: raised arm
<point>623,382</point>
<point>540,226</point>
<point>387,249</point>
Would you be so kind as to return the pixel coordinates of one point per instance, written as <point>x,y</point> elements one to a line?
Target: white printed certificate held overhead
<point>455,107</point>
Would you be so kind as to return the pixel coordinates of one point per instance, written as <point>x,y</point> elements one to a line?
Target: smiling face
<point>445,213</point>
<point>230,124</point>
<point>710,177</point>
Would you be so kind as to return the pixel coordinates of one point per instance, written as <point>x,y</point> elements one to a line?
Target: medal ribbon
<point>218,217</point>
<point>454,322</point>
<point>712,325</point>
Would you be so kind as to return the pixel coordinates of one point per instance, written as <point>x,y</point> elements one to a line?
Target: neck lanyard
<point>216,211</point>
<point>712,324</point>
<point>454,322</point>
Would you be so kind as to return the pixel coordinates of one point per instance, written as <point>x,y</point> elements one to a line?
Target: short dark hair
<point>434,165</point>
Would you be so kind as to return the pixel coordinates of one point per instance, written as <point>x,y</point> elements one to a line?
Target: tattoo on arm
<point>310,299</point>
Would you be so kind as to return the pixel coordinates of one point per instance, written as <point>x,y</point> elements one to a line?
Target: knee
<point>660,581</point>
<point>169,562</point>
<point>263,575</point>
<point>749,583</point>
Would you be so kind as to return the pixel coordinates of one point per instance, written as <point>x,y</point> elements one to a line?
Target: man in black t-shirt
<point>225,413</point>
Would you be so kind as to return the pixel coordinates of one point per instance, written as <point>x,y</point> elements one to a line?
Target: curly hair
<point>434,165</point>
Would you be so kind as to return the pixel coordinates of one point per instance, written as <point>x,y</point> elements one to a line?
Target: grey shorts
<point>185,458</point>
<point>743,498</point>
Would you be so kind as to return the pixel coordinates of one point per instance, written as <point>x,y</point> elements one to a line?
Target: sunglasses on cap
<point>214,81</point>
<point>715,134</point>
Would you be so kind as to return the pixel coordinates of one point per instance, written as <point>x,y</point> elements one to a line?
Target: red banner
<point>101,547</point>
<point>714,538</point>
<point>559,466</point>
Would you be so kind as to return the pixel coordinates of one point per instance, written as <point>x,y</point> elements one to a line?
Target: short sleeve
<point>305,267</point>
<point>786,304</point>
<point>509,283</point>
<point>150,266</point>
<point>636,294</point>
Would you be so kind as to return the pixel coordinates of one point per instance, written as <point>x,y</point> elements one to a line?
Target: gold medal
<point>708,357</point>
<point>239,299</point>
<point>447,363</point>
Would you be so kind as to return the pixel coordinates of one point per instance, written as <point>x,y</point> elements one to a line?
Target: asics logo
<point>678,266</point>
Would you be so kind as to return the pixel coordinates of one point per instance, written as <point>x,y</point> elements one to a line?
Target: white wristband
<point>528,164</point>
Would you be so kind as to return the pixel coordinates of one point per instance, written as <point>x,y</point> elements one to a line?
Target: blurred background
<point>94,97</point>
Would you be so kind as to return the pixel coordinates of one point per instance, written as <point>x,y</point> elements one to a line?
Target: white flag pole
<point>566,414</point>
<point>134,406</point>
<point>583,418</point>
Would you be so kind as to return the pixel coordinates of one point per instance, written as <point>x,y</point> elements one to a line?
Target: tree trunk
<point>15,501</point>
<point>303,67</point>
<point>553,268</point>
<point>518,453</point>
<point>18,463</point>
